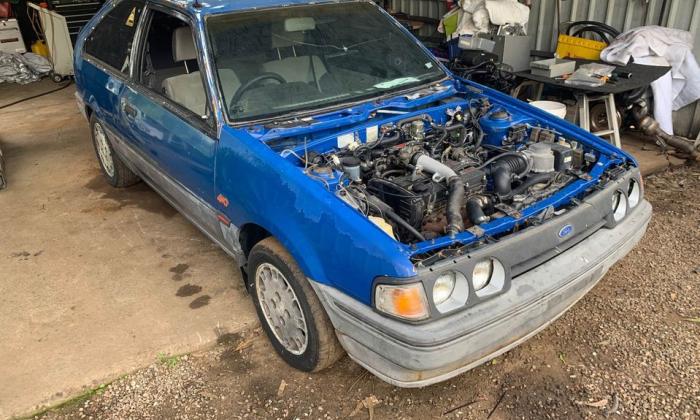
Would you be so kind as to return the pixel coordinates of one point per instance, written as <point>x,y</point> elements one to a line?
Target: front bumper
<point>410,355</point>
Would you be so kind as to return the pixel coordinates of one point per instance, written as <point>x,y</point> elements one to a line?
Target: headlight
<point>482,274</point>
<point>443,288</point>
<point>634,193</point>
<point>619,206</point>
<point>405,301</point>
<point>488,277</point>
<point>450,291</point>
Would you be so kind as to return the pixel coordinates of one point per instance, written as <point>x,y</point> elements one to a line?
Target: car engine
<point>422,179</point>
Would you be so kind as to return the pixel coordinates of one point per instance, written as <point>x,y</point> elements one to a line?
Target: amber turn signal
<point>405,301</point>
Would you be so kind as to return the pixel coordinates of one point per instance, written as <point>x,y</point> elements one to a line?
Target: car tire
<point>113,168</point>
<point>313,345</point>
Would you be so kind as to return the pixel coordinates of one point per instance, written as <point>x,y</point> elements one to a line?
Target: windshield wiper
<point>396,82</point>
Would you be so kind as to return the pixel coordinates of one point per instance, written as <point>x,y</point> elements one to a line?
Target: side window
<point>169,63</point>
<point>112,37</point>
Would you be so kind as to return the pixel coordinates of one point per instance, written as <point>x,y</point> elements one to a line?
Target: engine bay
<point>446,170</point>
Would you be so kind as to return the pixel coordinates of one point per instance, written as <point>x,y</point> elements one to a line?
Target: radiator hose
<point>455,224</point>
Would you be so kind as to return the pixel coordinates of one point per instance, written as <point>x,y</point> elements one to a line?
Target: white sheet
<point>502,12</point>
<point>655,45</point>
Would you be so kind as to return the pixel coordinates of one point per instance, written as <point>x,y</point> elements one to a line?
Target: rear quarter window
<point>112,38</point>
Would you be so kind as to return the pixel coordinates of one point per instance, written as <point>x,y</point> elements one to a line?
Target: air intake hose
<point>455,196</point>
<point>504,168</point>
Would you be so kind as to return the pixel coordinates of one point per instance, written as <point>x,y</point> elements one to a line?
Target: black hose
<point>446,132</point>
<point>455,198</point>
<point>533,180</point>
<point>604,36</point>
<point>502,180</point>
<point>70,82</point>
<point>498,157</point>
<point>383,139</point>
<point>475,209</point>
<point>480,137</point>
<point>599,25</point>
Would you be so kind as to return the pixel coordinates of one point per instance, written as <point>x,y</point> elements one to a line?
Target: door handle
<point>129,110</point>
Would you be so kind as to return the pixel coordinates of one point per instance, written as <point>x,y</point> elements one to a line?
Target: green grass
<point>71,402</point>
<point>162,357</point>
<point>169,361</point>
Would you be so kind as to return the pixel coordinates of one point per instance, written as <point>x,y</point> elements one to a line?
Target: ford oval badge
<point>565,231</point>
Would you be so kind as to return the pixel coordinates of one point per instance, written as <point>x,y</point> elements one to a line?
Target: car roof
<point>222,6</point>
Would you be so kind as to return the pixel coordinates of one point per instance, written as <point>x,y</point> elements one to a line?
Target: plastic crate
<point>575,47</point>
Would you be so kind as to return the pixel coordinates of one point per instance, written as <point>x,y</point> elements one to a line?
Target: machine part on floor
<point>651,128</point>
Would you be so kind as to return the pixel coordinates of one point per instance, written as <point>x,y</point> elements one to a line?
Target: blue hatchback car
<point>376,204</point>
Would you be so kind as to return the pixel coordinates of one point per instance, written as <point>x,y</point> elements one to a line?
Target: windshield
<point>272,62</point>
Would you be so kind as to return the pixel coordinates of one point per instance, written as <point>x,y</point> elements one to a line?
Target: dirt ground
<point>94,281</point>
<point>629,349</point>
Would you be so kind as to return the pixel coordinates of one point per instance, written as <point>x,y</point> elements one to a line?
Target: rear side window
<point>111,39</point>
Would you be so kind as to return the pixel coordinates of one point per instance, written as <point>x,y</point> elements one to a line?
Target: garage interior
<point>110,294</point>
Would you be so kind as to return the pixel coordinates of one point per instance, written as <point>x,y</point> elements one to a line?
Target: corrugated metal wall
<point>622,14</point>
<point>426,8</point>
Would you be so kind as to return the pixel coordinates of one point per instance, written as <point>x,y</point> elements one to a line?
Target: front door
<point>164,113</point>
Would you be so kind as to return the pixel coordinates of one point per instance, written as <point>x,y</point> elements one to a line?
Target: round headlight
<point>444,286</point>
<point>634,193</point>
<point>482,274</point>
<point>450,291</point>
<point>619,206</point>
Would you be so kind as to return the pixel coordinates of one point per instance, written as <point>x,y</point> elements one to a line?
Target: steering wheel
<point>251,83</point>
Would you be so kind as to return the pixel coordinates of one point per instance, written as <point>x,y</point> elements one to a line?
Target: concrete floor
<point>94,281</point>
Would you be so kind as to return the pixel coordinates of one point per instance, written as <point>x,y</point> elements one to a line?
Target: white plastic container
<point>10,37</point>
<point>554,108</point>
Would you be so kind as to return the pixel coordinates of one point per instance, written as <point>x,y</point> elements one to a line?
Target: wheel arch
<point>250,234</point>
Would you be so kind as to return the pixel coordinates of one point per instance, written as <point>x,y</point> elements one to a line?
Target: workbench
<point>641,77</point>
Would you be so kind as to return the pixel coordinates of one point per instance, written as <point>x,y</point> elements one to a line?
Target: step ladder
<point>584,108</point>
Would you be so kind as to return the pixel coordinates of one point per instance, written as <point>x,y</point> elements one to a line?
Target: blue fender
<point>332,243</point>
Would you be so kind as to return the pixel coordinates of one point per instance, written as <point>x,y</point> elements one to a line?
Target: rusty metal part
<point>651,127</point>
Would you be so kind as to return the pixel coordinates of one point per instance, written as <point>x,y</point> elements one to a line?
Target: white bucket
<point>554,108</point>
